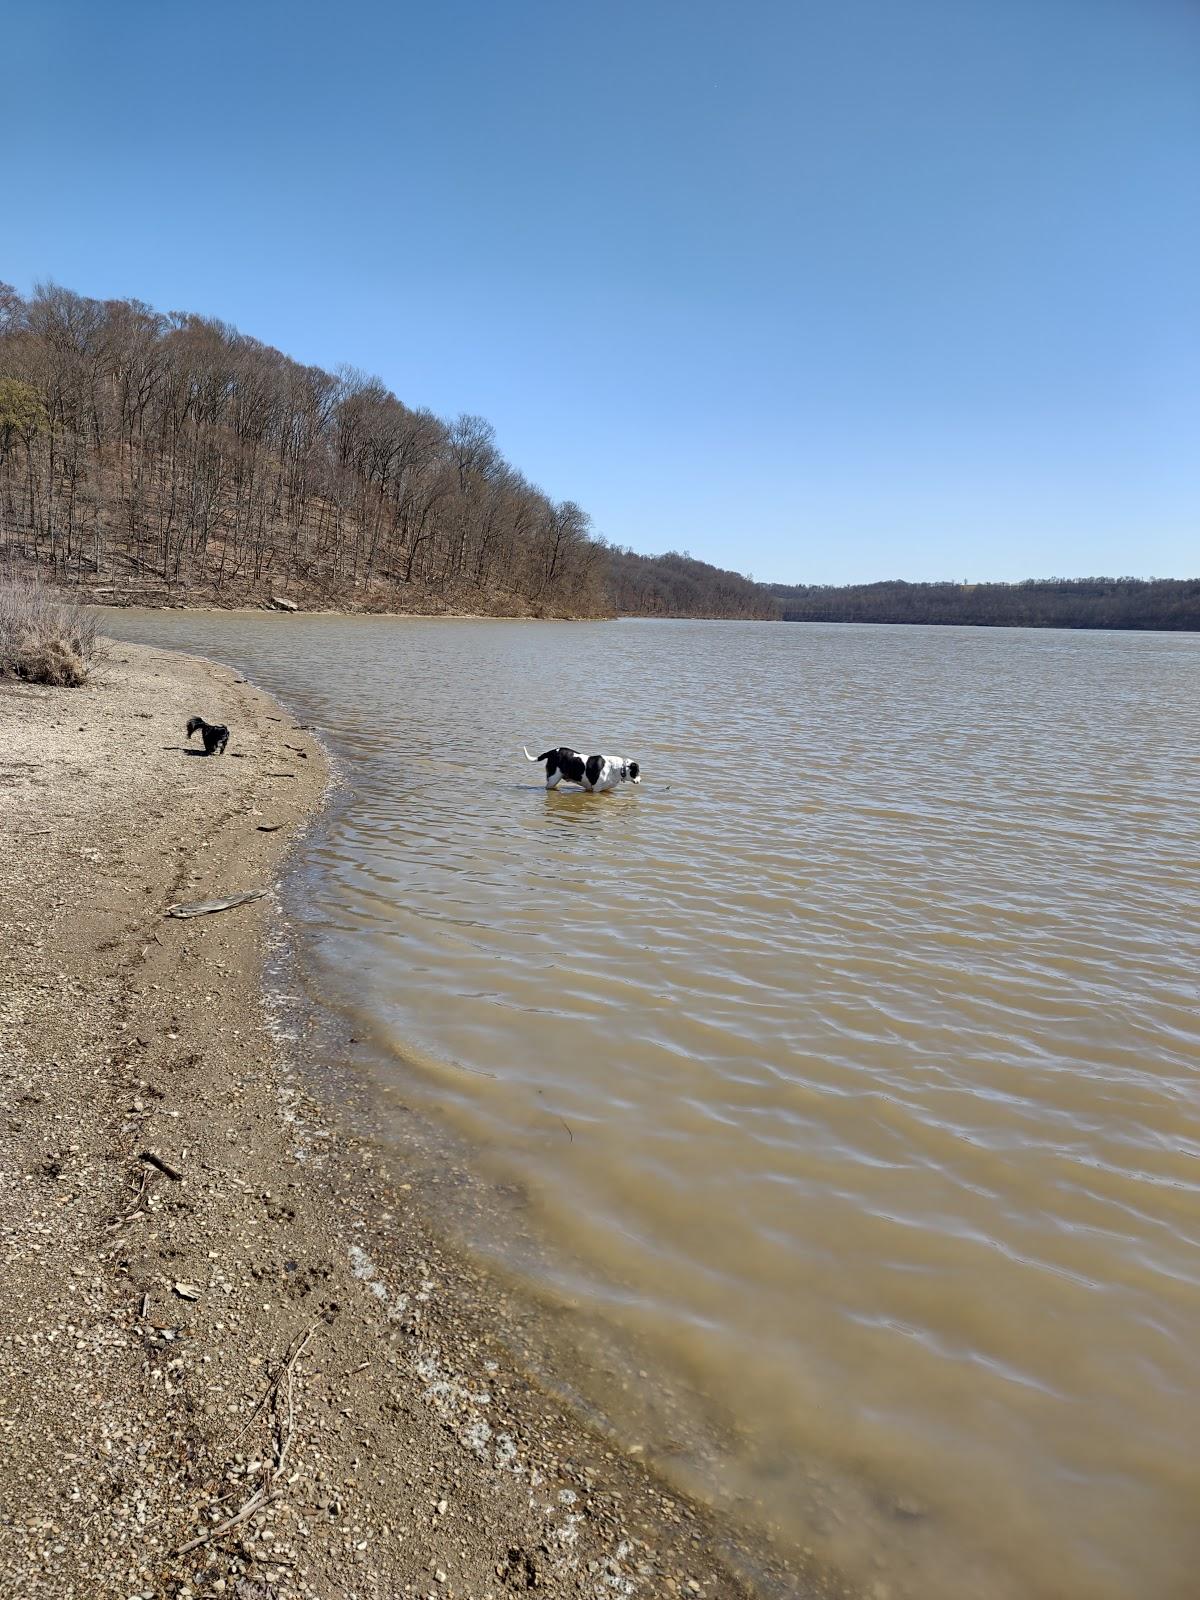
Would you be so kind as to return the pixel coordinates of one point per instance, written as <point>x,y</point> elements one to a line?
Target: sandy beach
<point>233,1358</point>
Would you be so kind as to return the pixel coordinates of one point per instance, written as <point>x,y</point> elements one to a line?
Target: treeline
<point>1161,603</point>
<point>680,586</point>
<point>171,458</point>
<point>168,458</point>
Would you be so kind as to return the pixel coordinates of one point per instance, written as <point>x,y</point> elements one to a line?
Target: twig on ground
<point>256,1502</point>
<point>283,1441</point>
<point>163,1166</point>
<point>290,1358</point>
<point>137,1204</point>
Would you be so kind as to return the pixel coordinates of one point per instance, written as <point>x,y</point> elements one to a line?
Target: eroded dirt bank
<point>207,1383</point>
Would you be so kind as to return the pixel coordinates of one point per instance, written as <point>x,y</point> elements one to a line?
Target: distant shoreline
<point>1048,626</point>
<point>1123,605</point>
<point>1160,605</point>
<point>1028,627</point>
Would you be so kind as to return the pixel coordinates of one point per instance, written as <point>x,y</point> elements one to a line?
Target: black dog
<point>214,734</point>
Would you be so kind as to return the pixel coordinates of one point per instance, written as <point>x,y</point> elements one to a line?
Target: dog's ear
<point>634,770</point>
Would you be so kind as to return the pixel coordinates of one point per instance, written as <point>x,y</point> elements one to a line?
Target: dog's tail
<point>528,757</point>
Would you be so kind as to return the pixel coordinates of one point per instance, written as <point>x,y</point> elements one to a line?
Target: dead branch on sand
<point>285,1427</point>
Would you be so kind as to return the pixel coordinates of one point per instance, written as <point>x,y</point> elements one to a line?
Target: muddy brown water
<point>846,1071</point>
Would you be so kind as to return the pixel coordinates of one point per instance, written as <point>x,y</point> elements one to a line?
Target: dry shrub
<point>45,637</point>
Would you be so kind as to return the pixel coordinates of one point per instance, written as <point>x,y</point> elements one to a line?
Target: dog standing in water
<point>593,773</point>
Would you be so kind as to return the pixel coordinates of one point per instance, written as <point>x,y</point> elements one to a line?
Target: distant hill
<point>680,586</point>
<point>1171,604</point>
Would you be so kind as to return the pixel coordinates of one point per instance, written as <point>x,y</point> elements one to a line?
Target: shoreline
<point>260,610</point>
<point>251,1344</point>
<point>285,605</point>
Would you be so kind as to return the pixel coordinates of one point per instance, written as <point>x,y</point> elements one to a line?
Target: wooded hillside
<point>168,458</point>
<point>171,458</point>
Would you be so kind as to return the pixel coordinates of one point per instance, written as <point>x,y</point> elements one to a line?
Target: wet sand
<point>233,1358</point>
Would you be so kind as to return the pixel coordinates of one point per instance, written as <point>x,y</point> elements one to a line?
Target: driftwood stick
<point>163,1166</point>
<point>202,908</point>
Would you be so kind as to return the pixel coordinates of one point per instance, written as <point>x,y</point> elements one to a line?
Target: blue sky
<point>821,292</point>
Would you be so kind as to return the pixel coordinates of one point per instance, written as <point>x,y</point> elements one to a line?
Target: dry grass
<point>45,637</point>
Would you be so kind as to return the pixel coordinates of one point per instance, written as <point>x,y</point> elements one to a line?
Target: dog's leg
<point>553,779</point>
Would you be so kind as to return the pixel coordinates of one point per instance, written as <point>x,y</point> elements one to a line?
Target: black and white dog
<point>214,734</point>
<point>594,773</point>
